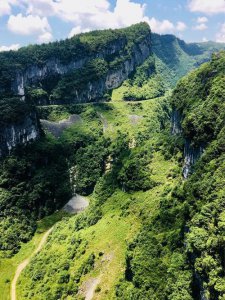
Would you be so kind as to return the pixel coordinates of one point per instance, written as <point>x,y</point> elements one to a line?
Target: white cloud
<point>89,15</point>
<point>11,47</point>
<point>77,30</point>
<point>204,39</point>
<point>45,37</point>
<point>30,25</point>
<point>5,6</point>
<point>74,12</point>
<point>220,37</point>
<point>200,27</point>
<point>181,26</point>
<point>84,15</point>
<point>127,12</point>
<point>202,20</point>
<point>207,6</point>
<point>201,24</point>
<point>164,26</point>
<point>39,7</point>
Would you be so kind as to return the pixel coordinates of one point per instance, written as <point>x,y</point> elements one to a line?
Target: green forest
<point>148,232</point>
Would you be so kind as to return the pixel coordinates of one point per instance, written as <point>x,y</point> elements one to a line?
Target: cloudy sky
<point>23,22</point>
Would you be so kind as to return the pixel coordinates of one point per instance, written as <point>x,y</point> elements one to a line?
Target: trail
<point>23,265</point>
<point>91,286</point>
<point>75,205</point>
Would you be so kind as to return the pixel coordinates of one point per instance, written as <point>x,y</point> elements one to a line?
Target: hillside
<point>105,58</point>
<point>183,243</point>
<point>141,64</point>
<point>171,59</point>
<point>50,74</point>
<point>152,168</point>
<point>178,224</point>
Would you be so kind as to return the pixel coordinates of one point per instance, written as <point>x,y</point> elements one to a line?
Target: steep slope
<point>51,74</point>
<point>172,59</point>
<point>122,154</point>
<point>19,124</point>
<point>146,65</point>
<point>178,249</point>
<point>104,58</point>
<point>135,174</point>
<point>184,244</point>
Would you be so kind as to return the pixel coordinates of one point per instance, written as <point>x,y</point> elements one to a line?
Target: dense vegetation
<point>131,171</point>
<point>34,182</point>
<point>113,47</point>
<point>172,59</point>
<point>179,254</point>
<point>147,233</point>
<point>13,109</point>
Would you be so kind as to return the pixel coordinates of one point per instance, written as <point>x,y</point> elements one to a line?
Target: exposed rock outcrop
<point>57,128</point>
<point>92,90</point>
<point>36,81</point>
<point>191,153</point>
<point>176,122</point>
<point>15,134</point>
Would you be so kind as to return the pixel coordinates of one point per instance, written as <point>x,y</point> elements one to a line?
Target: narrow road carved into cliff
<point>75,205</point>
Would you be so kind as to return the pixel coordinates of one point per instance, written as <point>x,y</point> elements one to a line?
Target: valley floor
<point>91,261</point>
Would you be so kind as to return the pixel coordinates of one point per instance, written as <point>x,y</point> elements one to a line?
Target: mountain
<point>145,65</point>
<point>179,252</point>
<point>51,74</point>
<point>171,59</point>
<point>148,233</point>
<point>104,58</point>
<point>152,169</point>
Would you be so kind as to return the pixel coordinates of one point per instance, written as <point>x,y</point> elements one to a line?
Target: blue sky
<point>24,22</point>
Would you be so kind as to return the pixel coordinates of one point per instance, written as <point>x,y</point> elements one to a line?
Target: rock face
<point>35,74</point>
<point>15,134</point>
<point>119,54</point>
<point>191,154</point>
<point>93,90</point>
<point>176,122</point>
<point>57,128</point>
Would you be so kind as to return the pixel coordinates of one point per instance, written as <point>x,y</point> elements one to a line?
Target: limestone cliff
<point>191,153</point>
<point>15,134</point>
<point>120,64</point>
<point>36,75</point>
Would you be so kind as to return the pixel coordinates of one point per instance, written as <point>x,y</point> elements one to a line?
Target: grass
<point>122,212</point>
<point>109,236</point>
<point>117,115</point>
<point>8,265</point>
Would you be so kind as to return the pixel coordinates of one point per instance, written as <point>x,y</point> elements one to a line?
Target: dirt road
<point>23,265</point>
<point>75,205</point>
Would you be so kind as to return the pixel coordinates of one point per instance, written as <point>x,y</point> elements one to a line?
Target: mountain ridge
<point>153,171</point>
